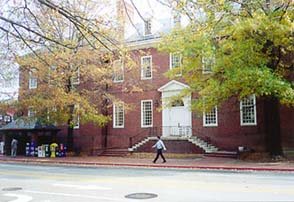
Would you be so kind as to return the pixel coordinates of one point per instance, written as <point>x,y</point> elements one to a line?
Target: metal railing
<point>180,131</point>
<point>175,131</point>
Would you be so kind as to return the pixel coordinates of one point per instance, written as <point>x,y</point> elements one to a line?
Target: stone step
<point>224,154</point>
<point>115,152</point>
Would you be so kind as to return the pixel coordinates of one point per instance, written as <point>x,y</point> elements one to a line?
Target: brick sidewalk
<point>200,162</point>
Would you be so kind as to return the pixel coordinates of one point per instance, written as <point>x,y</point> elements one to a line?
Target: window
<point>177,103</point>
<point>76,117</point>
<point>146,113</point>
<point>207,64</point>
<point>31,112</point>
<point>176,19</point>
<point>176,62</point>
<point>147,28</point>
<point>146,67</point>
<point>1,117</point>
<point>210,118</point>
<point>7,118</point>
<point>248,111</point>
<point>118,116</point>
<point>76,122</point>
<point>75,75</point>
<point>33,81</point>
<point>118,71</point>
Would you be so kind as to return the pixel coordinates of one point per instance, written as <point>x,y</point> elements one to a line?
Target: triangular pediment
<point>173,86</point>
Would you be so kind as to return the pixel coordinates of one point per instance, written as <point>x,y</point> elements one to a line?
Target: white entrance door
<point>177,117</point>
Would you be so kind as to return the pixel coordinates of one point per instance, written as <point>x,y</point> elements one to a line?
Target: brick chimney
<point>125,14</point>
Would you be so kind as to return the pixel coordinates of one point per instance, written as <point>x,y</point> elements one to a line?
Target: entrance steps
<point>207,147</point>
<point>223,154</point>
<point>115,152</point>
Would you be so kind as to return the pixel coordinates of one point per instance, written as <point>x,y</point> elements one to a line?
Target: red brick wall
<point>173,146</point>
<point>287,126</point>
<point>227,135</point>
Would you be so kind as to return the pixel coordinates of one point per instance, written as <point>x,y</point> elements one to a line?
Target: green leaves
<point>252,45</point>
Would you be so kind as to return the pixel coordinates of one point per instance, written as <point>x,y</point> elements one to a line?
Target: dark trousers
<point>159,152</point>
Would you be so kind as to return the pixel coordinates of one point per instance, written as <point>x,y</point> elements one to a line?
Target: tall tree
<point>67,53</point>
<point>237,49</point>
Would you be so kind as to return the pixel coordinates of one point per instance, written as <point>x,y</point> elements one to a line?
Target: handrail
<point>179,131</point>
<point>141,134</point>
<point>158,131</point>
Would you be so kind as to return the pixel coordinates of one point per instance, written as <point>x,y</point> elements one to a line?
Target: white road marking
<point>74,195</point>
<point>20,197</point>
<point>85,187</point>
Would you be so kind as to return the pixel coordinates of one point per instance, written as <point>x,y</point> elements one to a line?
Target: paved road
<point>81,184</point>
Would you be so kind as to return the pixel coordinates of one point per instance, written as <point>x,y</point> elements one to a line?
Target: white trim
<point>171,61</point>
<point>211,124</point>
<point>114,116</point>
<point>146,78</point>
<point>121,69</point>
<point>148,43</point>
<point>146,126</point>
<point>205,70</point>
<point>31,79</point>
<point>254,110</point>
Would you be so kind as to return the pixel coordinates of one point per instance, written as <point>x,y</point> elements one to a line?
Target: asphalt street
<point>31,183</point>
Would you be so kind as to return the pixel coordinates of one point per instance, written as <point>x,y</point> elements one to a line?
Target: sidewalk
<point>213,163</point>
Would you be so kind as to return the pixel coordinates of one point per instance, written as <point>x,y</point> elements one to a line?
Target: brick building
<point>137,120</point>
<point>225,128</point>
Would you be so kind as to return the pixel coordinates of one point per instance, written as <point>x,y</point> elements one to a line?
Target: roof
<point>172,86</point>
<point>21,124</point>
<point>159,27</point>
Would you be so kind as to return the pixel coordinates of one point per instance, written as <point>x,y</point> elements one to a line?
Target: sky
<point>147,9</point>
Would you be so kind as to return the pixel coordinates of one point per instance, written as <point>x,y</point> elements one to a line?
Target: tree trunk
<point>70,141</point>
<point>272,126</point>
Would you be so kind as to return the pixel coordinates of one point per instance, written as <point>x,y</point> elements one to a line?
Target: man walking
<point>159,146</point>
<point>13,147</point>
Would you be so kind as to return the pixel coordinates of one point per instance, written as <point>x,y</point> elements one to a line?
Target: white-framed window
<point>118,116</point>
<point>76,122</point>
<point>176,19</point>
<point>7,118</point>
<point>248,111</point>
<point>118,71</point>
<point>147,27</point>
<point>75,75</point>
<point>31,112</point>
<point>146,67</point>
<point>33,81</point>
<point>210,118</point>
<point>175,61</point>
<point>146,113</point>
<point>207,64</point>
<point>76,117</point>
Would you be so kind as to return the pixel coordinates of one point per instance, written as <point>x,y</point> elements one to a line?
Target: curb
<point>142,165</point>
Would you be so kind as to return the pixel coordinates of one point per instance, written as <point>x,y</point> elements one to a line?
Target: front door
<point>177,116</point>
<point>177,119</point>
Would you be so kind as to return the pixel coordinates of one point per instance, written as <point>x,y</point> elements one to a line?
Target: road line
<point>85,187</point>
<point>74,195</point>
<point>200,185</point>
<point>20,197</point>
